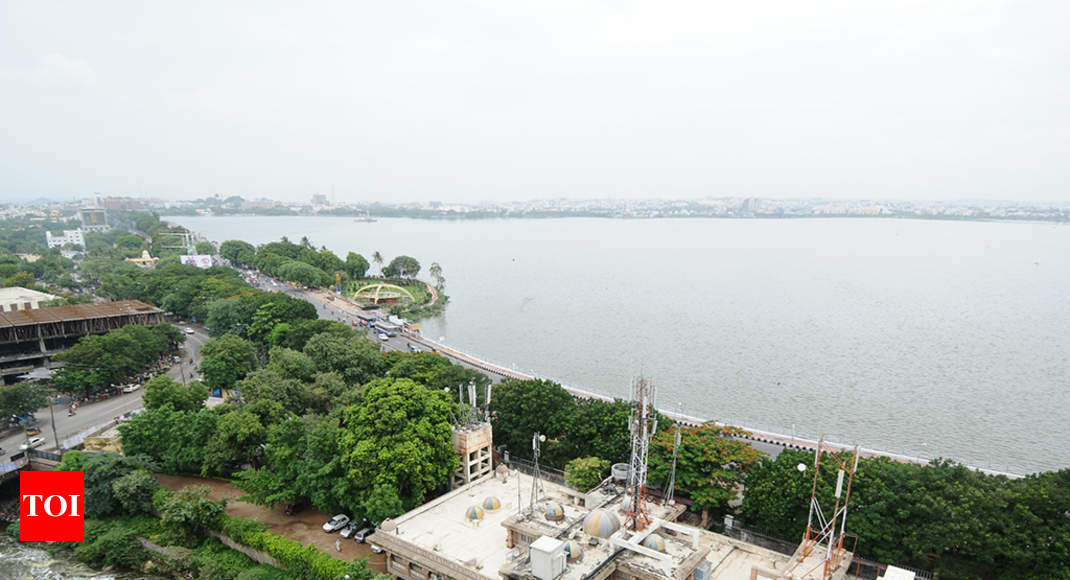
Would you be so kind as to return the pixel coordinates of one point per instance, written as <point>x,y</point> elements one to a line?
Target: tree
<point>378,259</point>
<point>101,471</point>
<point>269,384</point>
<point>22,399</point>
<point>356,265</point>
<point>436,275</point>
<point>237,438</point>
<point>238,252</point>
<point>710,467</point>
<point>134,491</point>
<point>403,266</point>
<point>585,473</point>
<point>284,463</point>
<point>176,440</point>
<point>163,390</point>
<point>357,359</point>
<point>520,408</point>
<point>382,503</point>
<point>304,274</point>
<point>226,360</point>
<point>205,248</point>
<point>400,435</point>
<point>22,279</point>
<point>188,512</point>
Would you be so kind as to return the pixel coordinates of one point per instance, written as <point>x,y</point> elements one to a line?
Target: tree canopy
<point>403,267</point>
<point>226,360</point>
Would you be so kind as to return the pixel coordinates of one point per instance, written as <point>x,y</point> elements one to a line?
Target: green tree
<point>382,502</point>
<point>176,440</point>
<point>303,274</point>
<point>22,399</point>
<point>356,358</point>
<point>237,438</point>
<point>22,279</point>
<point>402,266</point>
<point>205,248</point>
<point>585,473</point>
<point>711,465</point>
<point>102,470</point>
<point>163,390</point>
<point>238,252</point>
<point>356,265</point>
<point>134,491</point>
<point>399,435</point>
<point>226,360</point>
<point>378,259</point>
<point>520,408</point>
<point>436,275</point>
<point>189,512</point>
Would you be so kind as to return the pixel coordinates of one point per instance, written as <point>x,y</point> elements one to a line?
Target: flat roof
<point>20,294</point>
<point>76,312</point>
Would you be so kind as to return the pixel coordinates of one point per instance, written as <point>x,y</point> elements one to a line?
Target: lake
<point>927,338</point>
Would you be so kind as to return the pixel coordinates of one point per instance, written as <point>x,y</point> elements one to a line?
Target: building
<point>29,338</point>
<point>472,443</point>
<point>94,219</point>
<point>123,204</point>
<point>70,238</point>
<point>320,199</point>
<point>145,262</point>
<point>15,298</point>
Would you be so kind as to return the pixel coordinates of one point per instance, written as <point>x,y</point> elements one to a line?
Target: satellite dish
<point>801,467</point>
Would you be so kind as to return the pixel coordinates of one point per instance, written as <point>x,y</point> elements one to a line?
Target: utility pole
<point>52,410</point>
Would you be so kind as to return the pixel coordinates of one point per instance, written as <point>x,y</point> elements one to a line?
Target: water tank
<point>547,558</point>
<point>620,472</point>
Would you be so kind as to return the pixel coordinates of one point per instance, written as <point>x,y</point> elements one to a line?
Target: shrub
<point>264,572</point>
<point>109,545</point>
<point>214,560</point>
<point>585,473</point>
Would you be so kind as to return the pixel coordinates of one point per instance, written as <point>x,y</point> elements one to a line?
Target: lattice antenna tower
<point>644,423</point>
<point>822,532</point>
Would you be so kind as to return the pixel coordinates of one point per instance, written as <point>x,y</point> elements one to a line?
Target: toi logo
<point>51,506</point>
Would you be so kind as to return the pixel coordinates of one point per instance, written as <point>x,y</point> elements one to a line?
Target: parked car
<point>32,442</point>
<point>131,388</point>
<point>363,534</point>
<point>383,336</point>
<point>350,528</point>
<point>336,523</point>
<point>376,549</point>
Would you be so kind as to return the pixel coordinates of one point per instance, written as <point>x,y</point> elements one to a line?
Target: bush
<point>264,572</point>
<point>214,560</point>
<point>13,530</point>
<point>107,544</point>
<point>303,561</point>
<point>585,473</point>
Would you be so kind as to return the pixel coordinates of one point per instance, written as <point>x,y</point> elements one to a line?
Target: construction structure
<point>15,298</point>
<point>472,440</point>
<point>29,338</point>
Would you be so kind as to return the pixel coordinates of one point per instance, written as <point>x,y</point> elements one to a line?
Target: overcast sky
<point>499,100</point>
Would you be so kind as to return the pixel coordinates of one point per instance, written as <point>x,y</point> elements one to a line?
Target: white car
<point>32,442</point>
<point>131,388</point>
<point>188,330</point>
<point>384,336</point>
<point>336,523</point>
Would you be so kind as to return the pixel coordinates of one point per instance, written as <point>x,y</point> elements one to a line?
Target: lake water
<point>928,338</point>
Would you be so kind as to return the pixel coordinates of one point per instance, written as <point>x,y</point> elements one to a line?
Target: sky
<point>496,101</point>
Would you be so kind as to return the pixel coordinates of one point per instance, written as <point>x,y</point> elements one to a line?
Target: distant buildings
<point>123,204</point>
<point>70,238</point>
<point>94,219</point>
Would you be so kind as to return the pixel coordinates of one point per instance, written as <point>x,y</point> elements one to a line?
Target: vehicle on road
<point>188,330</point>
<point>350,528</point>
<point>34,430</point>
<point>363,534</point>
<point>383,336</point>
<point>336,523</point>
<point>131,388</point>
<point>32,442</point>
<point>376,549</point>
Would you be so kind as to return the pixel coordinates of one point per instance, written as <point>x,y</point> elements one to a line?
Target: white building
<point>69,238</point>
<point>16,298</point>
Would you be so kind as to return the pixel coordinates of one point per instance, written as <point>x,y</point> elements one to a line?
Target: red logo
<point>51,506</point>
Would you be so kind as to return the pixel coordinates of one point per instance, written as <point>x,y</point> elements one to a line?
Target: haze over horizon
<point>419,101</point>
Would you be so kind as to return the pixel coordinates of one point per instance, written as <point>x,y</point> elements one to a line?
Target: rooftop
<point>76,312</point>
<point>19,294</point>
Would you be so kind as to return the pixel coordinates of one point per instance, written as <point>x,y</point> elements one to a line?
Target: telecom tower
<point>821,532</point>
<point>644,423</point>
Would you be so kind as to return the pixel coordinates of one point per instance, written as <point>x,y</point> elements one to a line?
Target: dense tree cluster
<point>942,516</point>
<point>299,263</point>
<point>97,361</point>
<point>328,420</point>
<point>573,427</point>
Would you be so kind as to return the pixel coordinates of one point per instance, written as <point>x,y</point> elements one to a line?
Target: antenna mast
<point>644,423</point>
<point>672,473</point>
<point>819,529</point>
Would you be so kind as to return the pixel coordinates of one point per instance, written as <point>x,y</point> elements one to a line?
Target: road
<point>98,412</point>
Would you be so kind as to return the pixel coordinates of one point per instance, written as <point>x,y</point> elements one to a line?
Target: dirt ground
<point>305,526</point>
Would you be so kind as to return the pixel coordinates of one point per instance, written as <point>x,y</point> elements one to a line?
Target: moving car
<point>350,528</point>
<point>383,336</point>
<point>188,330</point>
<point>131,388</point>
<point>336,523</point>
<point>32,442</point>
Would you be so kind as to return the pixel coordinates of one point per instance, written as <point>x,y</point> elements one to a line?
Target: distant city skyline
<point>489,101</point>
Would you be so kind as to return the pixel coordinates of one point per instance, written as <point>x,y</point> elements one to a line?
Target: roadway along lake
<point>928,338</point>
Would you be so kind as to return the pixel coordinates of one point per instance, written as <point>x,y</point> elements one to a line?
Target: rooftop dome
<point>654,542</point>
<point>601,523</point>
<point>554,512</point>
<point>473,513</point>
<point>573,550</point>
<point>491,503</point>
